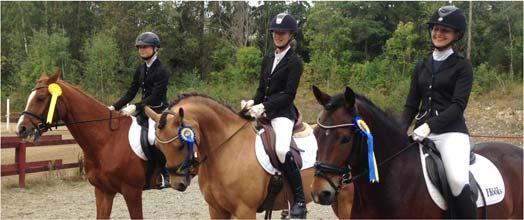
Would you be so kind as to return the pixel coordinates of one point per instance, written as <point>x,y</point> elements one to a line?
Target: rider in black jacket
<point>438,96</point>
<point>279,79</point>
<point>152,78</point>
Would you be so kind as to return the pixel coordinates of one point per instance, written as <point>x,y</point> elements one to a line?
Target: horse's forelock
<point>335,102</point>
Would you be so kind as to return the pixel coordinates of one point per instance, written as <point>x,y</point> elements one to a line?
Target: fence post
<point>7,127</point>
<point>20,160</point>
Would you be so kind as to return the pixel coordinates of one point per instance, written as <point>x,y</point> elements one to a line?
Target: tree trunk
<point>511,73</point>
<point>202,60</point>
<point>470,24</point>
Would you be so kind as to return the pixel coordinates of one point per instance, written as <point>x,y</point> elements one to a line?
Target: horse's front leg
<point>133,198</point>
<point>245,212</point>
<point>218,213</point>
<point>104,203</point>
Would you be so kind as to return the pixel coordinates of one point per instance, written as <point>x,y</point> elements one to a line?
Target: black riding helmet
<point>283,22</point>
<point>147,39</point>
<point>449,16</point>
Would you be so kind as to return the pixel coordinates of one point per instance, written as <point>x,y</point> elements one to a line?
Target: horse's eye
<point>181,147</point>
<point>345,139</point>
<point>40,98</point>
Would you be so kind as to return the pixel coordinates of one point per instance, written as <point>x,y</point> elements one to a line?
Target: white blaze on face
<point>31,96</point>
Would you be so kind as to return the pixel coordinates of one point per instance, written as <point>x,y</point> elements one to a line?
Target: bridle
<point>322,169</point>
<point>346,172</point>
<point>190,160</point>
<point>41,126</point>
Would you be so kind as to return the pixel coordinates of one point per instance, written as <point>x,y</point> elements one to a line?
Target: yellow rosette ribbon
<point>55,91</point>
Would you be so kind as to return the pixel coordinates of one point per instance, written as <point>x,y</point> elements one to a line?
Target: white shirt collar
<point>152,61</point>
<point>278,57</point>
<point>442,55</point>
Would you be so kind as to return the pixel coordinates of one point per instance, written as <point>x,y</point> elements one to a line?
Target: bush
<point>485,78</point>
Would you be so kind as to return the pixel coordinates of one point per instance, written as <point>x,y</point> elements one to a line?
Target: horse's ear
<point>55,76</point>
<point>349,95</point>
<point>43,76</point>
<point>151,114</point>
<point>181,114</point>
<point>322,98</point>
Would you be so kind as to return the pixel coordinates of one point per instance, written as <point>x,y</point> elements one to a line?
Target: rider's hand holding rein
<point>129,110</point>
<point>246,104</point>
<point>421,132</point>
<point>257,111</point>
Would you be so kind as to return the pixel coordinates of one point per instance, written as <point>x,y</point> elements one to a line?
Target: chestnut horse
<point>230,177</point>
<point>110,164</point>
<point>401,192</point>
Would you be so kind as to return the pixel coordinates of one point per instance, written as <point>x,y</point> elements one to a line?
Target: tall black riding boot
<point>292,173</point>
<point>163,170</point>
<point>466,207</point>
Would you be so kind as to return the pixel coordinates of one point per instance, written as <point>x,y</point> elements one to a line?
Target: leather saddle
<point>437,175</point>
<point>268,138</point>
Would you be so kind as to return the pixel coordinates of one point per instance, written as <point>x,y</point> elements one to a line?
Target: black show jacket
<point>439,98</point>
<point>277,90</point>
<point>153,82</point>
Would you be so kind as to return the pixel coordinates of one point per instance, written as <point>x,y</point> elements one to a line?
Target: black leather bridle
<point>41,126</point>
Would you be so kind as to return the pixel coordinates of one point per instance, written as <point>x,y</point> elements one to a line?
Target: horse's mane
<point>81,91</point>
<point>212,101</point>
<point>385,120</point>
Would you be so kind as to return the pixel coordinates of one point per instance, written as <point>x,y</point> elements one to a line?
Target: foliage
<point>47,52</point>
<point>101,66</point>
<point>216,47</point>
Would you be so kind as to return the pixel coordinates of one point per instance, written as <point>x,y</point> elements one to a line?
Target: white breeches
<point>283,130</point>
<point>454,148</point>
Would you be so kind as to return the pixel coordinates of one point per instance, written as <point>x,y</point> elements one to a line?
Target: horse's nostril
<point>21,130</point>
<point>181,186</point>
<point>325,194</point>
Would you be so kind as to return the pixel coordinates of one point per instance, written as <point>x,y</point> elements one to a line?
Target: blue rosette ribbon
<point>372,162</point>
<point>187,135</point>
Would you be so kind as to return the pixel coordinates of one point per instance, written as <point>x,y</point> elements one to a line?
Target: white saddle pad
<point>486,174</point>
<point>134,137</point>
<point>307,143</point>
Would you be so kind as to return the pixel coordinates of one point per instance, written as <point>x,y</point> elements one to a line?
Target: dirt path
<point>75,199</point>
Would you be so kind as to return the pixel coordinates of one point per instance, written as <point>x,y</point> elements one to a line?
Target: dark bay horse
<point>110,164</point>
<point>230,177</point>
<point>401,191</point>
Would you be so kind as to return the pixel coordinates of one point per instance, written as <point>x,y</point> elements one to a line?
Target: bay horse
<point>401,190</point>
<point>110,164</point>
<point>230,177</point>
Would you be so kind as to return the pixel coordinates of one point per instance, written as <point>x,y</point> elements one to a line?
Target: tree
<point>47,52</point>
<point>101,66</point>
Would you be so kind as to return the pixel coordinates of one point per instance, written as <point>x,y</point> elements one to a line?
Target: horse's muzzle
<point>323,197</point>
<point>180,187</point>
